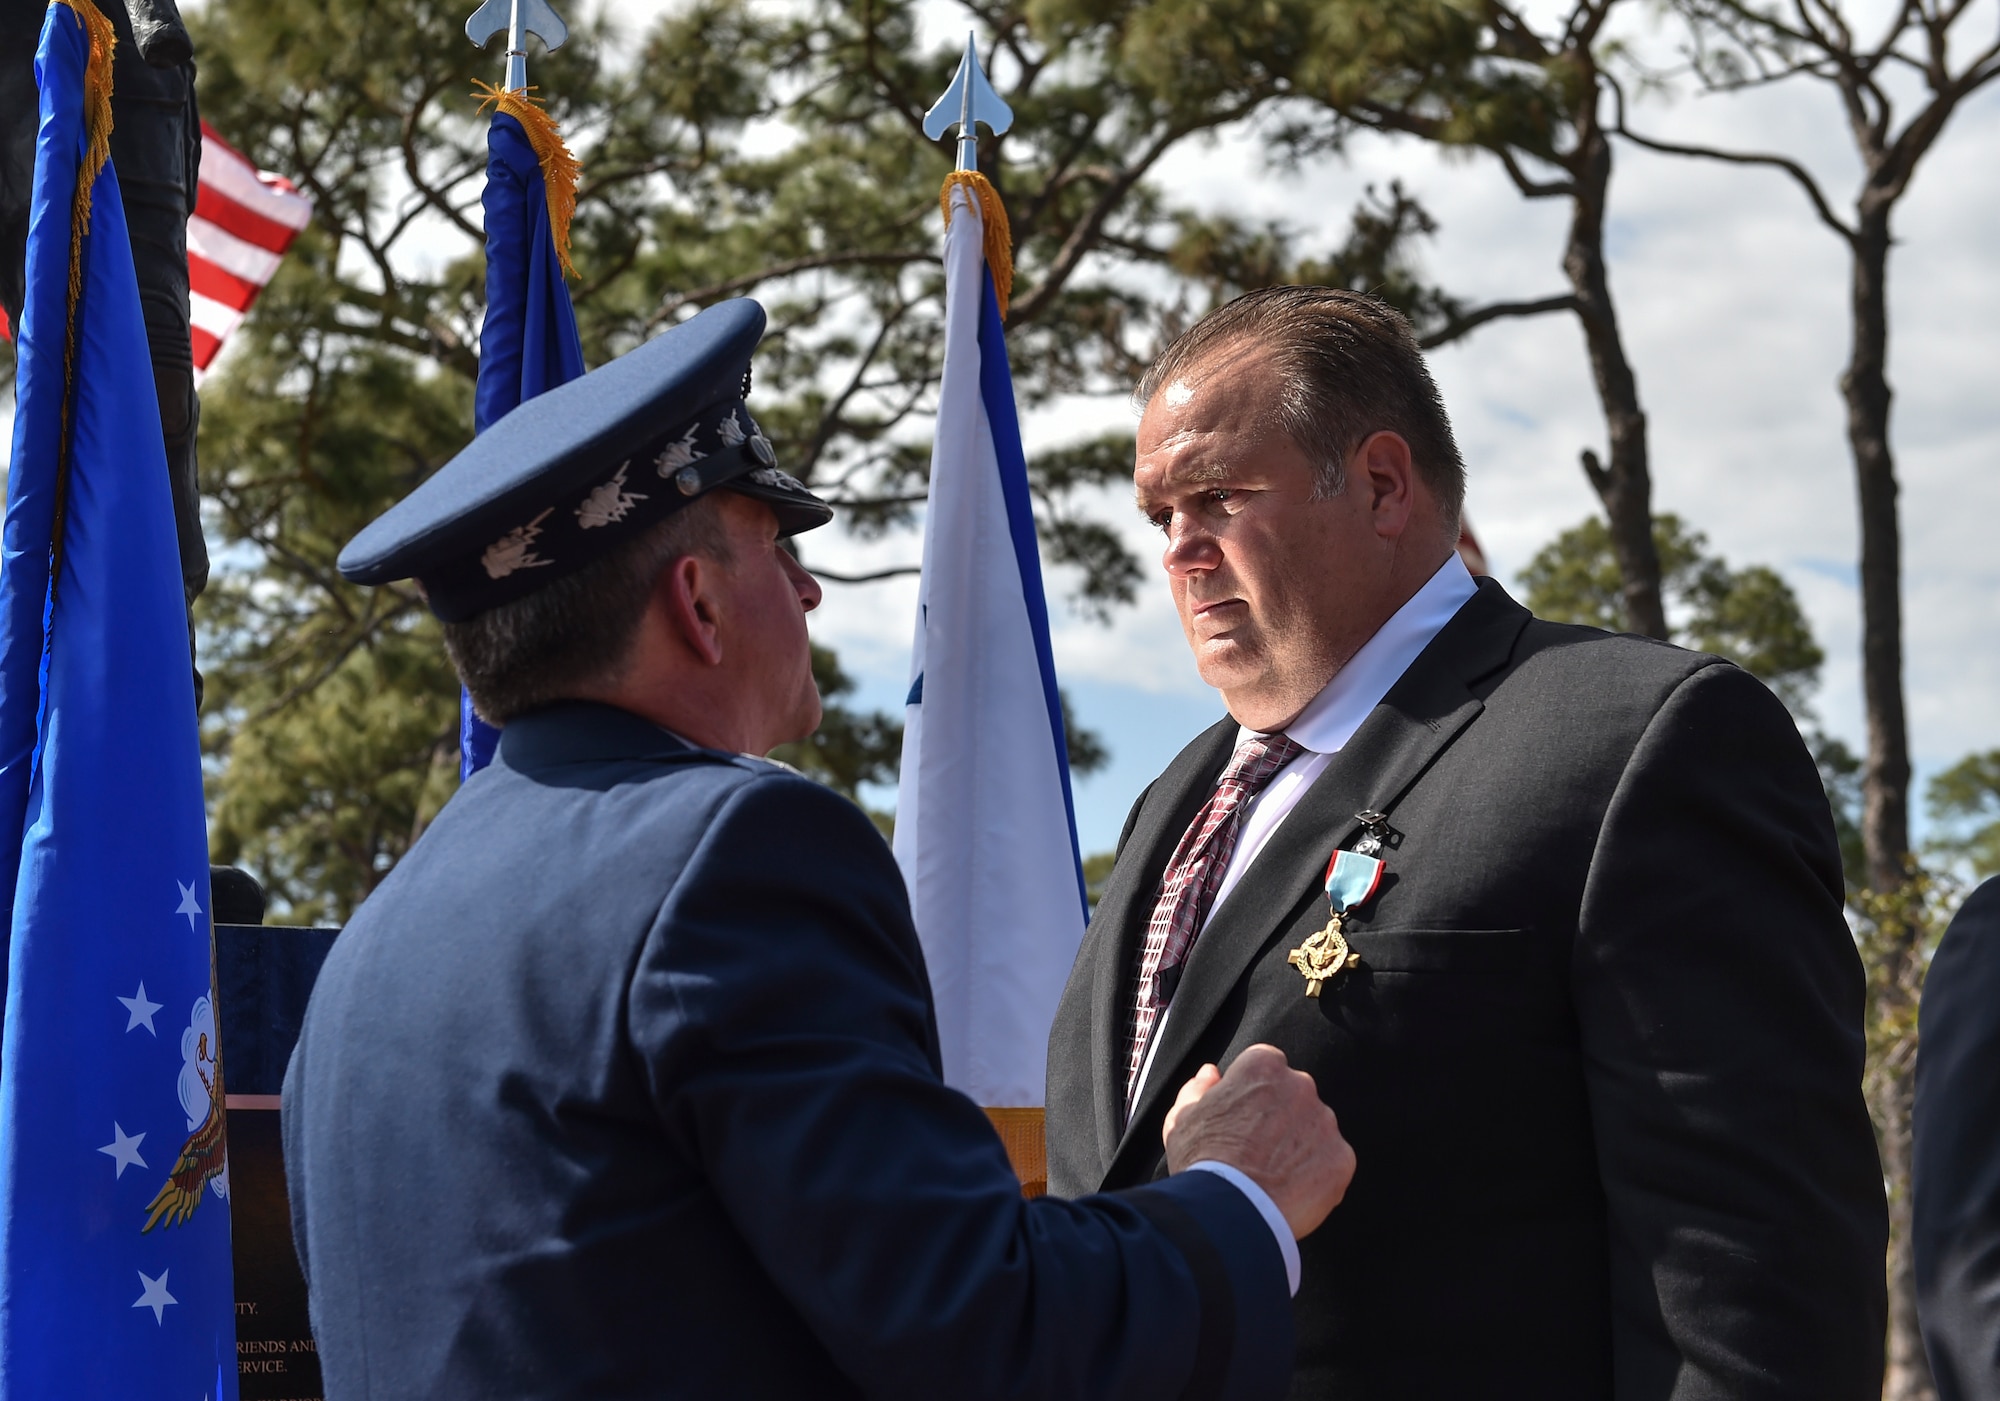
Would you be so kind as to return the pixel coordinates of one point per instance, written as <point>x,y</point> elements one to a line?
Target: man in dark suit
<point>1956,1168</point>
<point>1594,1028</point>
<point>625,1082</point>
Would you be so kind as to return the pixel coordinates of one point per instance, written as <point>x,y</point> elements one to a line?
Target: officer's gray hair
<point>1348,366</point>
<point>575,634</point>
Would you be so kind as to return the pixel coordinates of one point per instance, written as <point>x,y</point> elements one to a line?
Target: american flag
<point>243,222</point>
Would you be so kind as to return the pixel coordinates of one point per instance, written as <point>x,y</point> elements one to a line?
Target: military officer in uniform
<point>625,1082</point>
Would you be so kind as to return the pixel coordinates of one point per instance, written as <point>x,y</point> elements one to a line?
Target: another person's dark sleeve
<point>1956,1174</point>
<point>1720,1000</point>
<point>780,1007</point>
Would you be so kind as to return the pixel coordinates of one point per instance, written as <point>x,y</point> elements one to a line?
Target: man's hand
<point>1265,1120</point>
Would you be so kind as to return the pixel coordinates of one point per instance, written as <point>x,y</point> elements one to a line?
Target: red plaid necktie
<point>1189,888</point>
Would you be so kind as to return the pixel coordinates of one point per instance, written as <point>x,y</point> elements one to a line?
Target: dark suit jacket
<point>1956,1173</point>
<point>1600,1064</point>
<point>625,1084</point>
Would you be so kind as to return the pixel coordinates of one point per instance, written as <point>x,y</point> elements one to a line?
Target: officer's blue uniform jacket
<point>625,1083</point>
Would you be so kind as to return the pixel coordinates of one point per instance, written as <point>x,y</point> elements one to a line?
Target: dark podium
<point>264,974</point>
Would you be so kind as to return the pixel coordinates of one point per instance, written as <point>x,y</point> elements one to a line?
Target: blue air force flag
<point>528,342</point>
<point>114,1211</point>
<point>985,832</point>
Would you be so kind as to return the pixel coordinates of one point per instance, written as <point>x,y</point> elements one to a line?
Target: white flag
<point>985,831</point>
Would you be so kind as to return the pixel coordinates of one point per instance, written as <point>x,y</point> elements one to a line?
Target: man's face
<point>1275,590</point>
<point>766,595</point>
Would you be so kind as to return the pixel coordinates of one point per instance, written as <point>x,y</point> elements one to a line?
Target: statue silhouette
<point>156,147</point>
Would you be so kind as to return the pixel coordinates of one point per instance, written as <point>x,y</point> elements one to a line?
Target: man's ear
<point>684,595</point>
<point>1383,470</point>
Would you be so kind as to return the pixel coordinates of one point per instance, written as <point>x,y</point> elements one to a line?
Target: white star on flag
<point>156,1296</point>
<point>188,906</point>
<point>124,1150</point>
<point>141,1010</point>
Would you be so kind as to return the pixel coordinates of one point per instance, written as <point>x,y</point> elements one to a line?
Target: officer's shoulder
<point>771,790</point>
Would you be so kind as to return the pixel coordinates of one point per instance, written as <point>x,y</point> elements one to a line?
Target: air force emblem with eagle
<point>203,1160</point>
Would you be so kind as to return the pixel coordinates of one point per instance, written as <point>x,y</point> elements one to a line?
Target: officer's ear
<point>685,601</point>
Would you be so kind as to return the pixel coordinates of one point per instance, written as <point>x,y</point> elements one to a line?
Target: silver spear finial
<point>969,101</point>
<point>517,19</point>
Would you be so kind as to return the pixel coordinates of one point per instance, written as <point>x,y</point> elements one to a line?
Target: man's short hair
<point>1348,366</point>
<point>577,633</point>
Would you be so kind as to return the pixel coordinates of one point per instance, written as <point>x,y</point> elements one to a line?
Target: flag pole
<point>969,101</point>
<point>517,19</point>
<point>528,340</point>
<point>983,743</point>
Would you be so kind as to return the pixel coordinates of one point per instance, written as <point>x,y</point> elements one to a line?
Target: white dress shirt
<point>1328,722</point>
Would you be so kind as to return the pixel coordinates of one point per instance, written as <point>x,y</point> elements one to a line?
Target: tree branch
<point>1790,167</point>
<point>1899,162</point>
<point>1084,236</point>
<point>729,286</point>
<point>329,665</point>
<point>911,114</point>
<point>413,167</point>
<point>834,577</point>
<point>830,420</point>
<point>1527,184</point>
<point>1466,322</point>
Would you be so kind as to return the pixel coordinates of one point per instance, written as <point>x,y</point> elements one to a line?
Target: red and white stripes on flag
<point>243,222</point>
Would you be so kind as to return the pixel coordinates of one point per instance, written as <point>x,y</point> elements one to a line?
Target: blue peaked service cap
<point>576,472</point>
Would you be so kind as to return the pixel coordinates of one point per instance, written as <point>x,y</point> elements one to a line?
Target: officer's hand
<point>1266,1120</point>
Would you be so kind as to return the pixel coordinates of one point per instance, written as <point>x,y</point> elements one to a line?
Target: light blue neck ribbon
<point>1350,879</point>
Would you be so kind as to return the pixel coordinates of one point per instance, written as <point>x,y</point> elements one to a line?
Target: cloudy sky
<point>1732,300</point>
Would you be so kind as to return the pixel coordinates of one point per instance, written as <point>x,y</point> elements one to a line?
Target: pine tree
<point>730,150</point>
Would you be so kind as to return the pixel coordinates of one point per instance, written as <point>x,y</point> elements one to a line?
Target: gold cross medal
<point>1351,878</point>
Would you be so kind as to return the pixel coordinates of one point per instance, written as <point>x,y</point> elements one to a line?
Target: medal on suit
<point>1351,877</point>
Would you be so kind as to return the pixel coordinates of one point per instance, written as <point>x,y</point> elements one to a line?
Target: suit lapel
<point>1119,924</point>
<point>1422,713</point>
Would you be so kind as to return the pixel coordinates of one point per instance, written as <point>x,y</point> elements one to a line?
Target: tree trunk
<point>1909,1372</point>
<point>1891,1084</point>
<point>1885,781</point>
<point>1885,777</point>
<point>1625,484</point>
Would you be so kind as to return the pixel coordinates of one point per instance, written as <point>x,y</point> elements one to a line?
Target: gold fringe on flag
<point>560,167</point>
<point>97,133</point>
<point>993,214</point>
<point>96,152</point>
<point>1022,1134</point>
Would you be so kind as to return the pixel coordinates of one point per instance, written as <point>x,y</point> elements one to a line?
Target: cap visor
<point>796,512</point>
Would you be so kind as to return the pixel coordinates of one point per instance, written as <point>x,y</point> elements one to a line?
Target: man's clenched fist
<point>1267,1121</point>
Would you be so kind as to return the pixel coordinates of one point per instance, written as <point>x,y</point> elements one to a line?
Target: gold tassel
<point>96,151</point>
<point>97,133</point>
<point>993,214</point>
<point>559,167</point>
